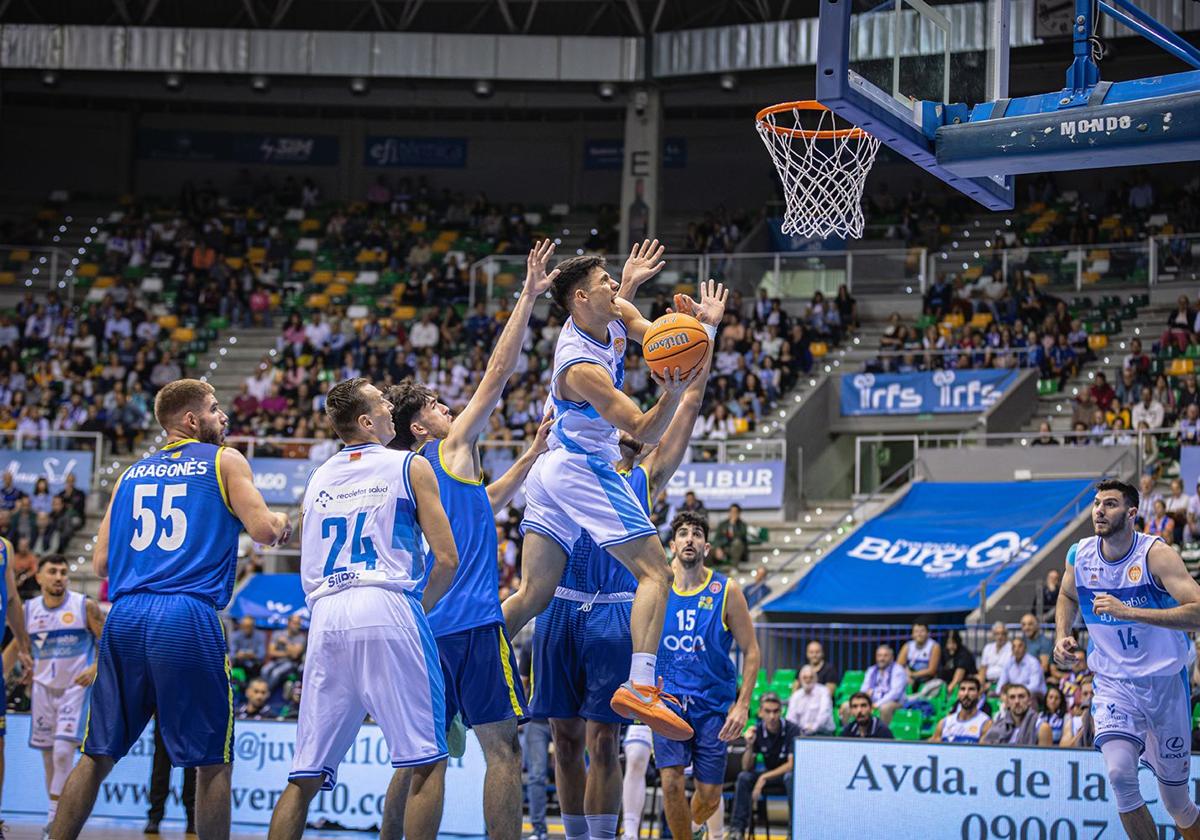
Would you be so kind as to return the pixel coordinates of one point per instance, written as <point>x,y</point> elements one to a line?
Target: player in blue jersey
<point>706,614</point>
<point>582,645</point>
<point>1139,603</point>
<point>168,545</point>
<point>10,610</point>
<point>478,664</point>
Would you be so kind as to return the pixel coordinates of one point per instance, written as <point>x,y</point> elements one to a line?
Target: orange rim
<point>853,132</point>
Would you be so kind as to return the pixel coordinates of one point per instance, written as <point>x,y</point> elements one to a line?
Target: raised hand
<point>675,382</point>
<point>711,308</point>
<point>644,262</point>
<point>537,281</point>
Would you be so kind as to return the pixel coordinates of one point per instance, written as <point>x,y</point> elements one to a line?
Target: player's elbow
<point>100,565</point>
<point>447,558</point>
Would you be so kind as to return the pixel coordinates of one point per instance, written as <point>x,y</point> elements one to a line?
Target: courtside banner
<point>930,552</point>
<point>755,485</point>
<point>929,392</point>
<point>28,465</point>
<point>262,758</point>
<point>270,599</point>
<point>282,480</point>
<point>918,791</point>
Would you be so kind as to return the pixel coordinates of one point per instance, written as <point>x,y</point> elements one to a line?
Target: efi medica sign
<point>262,759</point>
<point>929,392</point>
<point>28,465</point>
<point>918,791</point>
<point>756,485</point>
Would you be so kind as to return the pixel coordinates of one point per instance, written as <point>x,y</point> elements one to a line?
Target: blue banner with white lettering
<point>415,152</point>
<point>930,552</point>
<point>270,600</point>
<point>755,485</point>
<point>281,480</point>
<point>1189,467</point>
<point>28,465</point>
<point>610,154</point>
<point>927,392</point>
<point>231,147</point>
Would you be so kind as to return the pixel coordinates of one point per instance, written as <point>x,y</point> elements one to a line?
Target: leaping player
<point>574,487</point>
<point>64,627</point>
<point>582,645</point>
<point>1138,603</point>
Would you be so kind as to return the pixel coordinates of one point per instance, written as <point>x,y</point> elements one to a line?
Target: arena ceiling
<point>522,17</point>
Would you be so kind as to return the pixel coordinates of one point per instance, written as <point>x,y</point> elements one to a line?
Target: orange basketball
<point>675,341</point>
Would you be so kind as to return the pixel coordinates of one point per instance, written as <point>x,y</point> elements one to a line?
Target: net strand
<point>823,177</point>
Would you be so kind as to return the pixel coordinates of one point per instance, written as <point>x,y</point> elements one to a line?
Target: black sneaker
<point>191,828</point>
<point>151,827</point>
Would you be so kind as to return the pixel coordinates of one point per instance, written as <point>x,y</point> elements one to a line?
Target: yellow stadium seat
<point>318,301</point>
<point>741,425</point>
<point>7,278</point>
<point>304,360</point>
<point>417,226</point>
<point>104,282</point>
<point>1097,342</point>
<point>981,320</point>
<point>257,255</point>
<point>404,313</point>
<point>346,277</point>
<point>88,270</point>
<point>309,225</point>
<point>336,289</point>
<point>183,334</point>
<point>1040,279</point>
<point>398,291</point>
<point>506,280</point>
<point>973,273</point>
<point>953,321</point>
<point>234,262</point>
<point>19,256</point>
<point>1181,367</point>
<point>168,322</point>
<point>322,278</point>
<point>818,349</point>
<point>1091,276</point>
<point>303,266</point>
<point>439,247</point>
<point>276,298</point>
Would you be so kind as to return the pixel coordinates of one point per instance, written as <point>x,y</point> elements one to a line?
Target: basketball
<point>674,341</point>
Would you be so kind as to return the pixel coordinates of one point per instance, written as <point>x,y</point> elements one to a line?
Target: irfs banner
<point>262,758</point>
<point>755,485</point>
<point>917,791</point>
<point>928,392</point>
<point>28,465</point>
<point>929,552</point>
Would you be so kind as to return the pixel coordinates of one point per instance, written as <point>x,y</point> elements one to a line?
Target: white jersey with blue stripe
<point>62,643</point>
<point>579,427</point>
<point>955,730</point>
<point>1121,649</point>
<point>360,524</point>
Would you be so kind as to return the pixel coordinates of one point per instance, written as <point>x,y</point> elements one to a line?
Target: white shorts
<point>1155,714</point>
<point>568,493</point>
<point>370,652</point>
<point>639,733</point>
<point>57,714</point>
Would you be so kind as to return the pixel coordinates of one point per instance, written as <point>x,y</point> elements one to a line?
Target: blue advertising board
<point>234,147</point>
<point>930,552</point>
<point>270,600</point>
<point>609,153</point>
<point>415,152</point>
<point>281,480</point>
<point>1189,467</point>
<point>262,758</point>
<point>927,392</point>
<point>755,485</point>
<point>28,465</point>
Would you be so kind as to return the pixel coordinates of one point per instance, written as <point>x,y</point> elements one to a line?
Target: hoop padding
<point>823,168</point>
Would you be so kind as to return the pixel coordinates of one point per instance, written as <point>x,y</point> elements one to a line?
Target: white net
<point>823,166</point>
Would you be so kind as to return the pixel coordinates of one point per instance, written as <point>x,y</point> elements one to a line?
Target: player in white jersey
<point>370,650</point>
<point>64,627</point>
<point>968,723</point>
<point>574,487</point>
<point>1139,603</point>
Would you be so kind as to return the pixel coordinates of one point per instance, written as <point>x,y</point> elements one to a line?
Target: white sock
<point>52,811</point>
<point>696,827</point>
<point>575,826</point>
<point>641,668</point>
<point>633,787</point>
<point>716,823</point>
<point>601,826</point>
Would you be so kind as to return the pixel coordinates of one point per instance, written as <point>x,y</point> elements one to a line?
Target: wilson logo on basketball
<point>667,342</point>
<point>1135,574</point>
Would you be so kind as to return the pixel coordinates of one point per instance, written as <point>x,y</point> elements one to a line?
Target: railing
<point>977,257</point>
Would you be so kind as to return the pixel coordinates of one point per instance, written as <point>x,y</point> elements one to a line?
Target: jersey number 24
<point>362,549</point>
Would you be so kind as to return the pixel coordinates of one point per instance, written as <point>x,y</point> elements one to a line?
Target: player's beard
<point>214,435</point>
<point>690,561</point>
<point>1115,527</point>
<point>974,705</point>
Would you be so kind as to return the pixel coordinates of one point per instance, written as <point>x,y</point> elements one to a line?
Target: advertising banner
<point>281,480</point>
<point>1189,467</point>
<point>756,485</point>
<point>231,147</point>
<point>916,791</point>
<point>927,392</point>
<point>415,152</point>
<point>262,759</point>
<point>270,600</point>
<point>930,552</point>
<point>610,153</point>
<point>28,465</point>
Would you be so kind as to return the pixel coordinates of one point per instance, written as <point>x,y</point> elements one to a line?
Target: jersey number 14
<point>1127,639</point>
<point>362,549</point>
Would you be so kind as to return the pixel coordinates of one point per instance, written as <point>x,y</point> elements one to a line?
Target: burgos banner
<point>262,758</point>
<point>917,791</point>
<point>28,465</point>
<point>929,392</point>
<point>930,551</point>
<point>755,485</point>
<point>282,480</point>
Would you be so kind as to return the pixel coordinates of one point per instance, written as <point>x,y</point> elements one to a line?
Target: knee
<point>672,780</point>
<point>567,746</point>
<point>602,748</point>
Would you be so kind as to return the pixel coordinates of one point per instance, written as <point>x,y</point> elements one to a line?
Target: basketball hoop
<point>823,169</point>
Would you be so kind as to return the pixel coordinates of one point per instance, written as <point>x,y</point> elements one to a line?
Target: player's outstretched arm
<point>263,525</point>
<point>431,516</point>
<point>1066,610</point>
<point>473,419</point>
<point>1167,567</point>
<point>16,619</point>
<point>593,383</point>
<point>501,491</point>
<point>662,463</point>
<point>644,262</point>
<point>737,618</point>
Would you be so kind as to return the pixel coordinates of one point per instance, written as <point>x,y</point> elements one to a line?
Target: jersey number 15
<point>362,549</point>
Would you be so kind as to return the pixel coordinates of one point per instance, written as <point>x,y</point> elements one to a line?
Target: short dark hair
<point>407,399</point>
<point>179,397</point>
<point>973,680</point>
<point>345,403</point>
<point>572,273</point>
<point>55,559</point>
<point>861,695</point>
<point>769,697</point>
<point>688,517</point>
<point>1127,491</point>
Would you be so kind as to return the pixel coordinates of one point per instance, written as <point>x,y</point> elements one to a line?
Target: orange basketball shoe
<point>649,704</point>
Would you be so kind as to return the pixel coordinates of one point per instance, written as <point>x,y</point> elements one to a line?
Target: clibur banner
<point>754,485</point>
<point>917,791</point>
<point>929,552</point>
<point>281,480</point>
<point>262,759</point>
<point>927,392</point>
<point>28,465</point>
